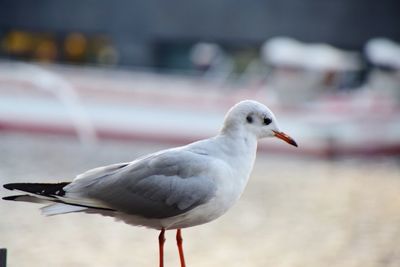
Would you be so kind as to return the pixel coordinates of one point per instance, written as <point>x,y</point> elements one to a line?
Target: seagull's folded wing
<point>159,186</point>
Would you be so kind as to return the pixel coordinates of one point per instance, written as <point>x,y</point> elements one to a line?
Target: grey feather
<point>161,185</point>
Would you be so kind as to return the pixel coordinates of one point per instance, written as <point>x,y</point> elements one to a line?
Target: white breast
<point>231,181</point>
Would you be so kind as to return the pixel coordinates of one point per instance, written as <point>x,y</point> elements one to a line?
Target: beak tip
<point>293,143</point>
<point>285,138</point>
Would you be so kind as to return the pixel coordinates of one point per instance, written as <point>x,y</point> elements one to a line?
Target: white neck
<point>240,148</point>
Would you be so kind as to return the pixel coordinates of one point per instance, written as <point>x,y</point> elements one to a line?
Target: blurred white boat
<point>305,71</point>
<point>125,105</point>
<point>384,56</point>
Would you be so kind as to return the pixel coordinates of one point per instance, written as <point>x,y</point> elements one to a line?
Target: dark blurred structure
<point>161,34</point>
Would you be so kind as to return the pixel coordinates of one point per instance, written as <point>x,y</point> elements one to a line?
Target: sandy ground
<point>294,213</point>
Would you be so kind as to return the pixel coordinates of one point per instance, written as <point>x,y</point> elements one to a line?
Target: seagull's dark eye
<point>267,121</point>
<point>249,119</point>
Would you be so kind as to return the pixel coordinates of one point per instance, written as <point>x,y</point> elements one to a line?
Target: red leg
<point>161,241</point>
<point>180,247</point>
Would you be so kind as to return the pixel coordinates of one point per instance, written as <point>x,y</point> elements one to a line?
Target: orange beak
<point>285,137</point>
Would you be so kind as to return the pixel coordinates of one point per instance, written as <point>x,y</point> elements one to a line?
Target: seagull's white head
<point>254,118</point>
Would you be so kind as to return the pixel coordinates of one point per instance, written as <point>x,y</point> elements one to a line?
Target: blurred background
<point>90,83</point>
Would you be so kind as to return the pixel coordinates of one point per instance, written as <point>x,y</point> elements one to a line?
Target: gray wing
<point>159,186</point>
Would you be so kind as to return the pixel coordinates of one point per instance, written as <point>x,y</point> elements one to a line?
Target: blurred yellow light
<point>46,51</point>
<point>75,45</point>
<point>18,42</point>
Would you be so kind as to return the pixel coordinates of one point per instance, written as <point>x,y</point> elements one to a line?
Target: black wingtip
<point>11,197</point>
<point>44,189</point>
<point>9,186</point>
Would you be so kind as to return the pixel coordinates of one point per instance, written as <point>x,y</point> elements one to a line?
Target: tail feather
<point>42,189</point>
<point>27,198</point>
<point>53,194</point>
<point>61,208</point>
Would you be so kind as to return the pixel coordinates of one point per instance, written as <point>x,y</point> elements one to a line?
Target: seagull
<point>171,189</point>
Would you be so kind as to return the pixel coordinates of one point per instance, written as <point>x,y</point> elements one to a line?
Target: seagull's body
<point>216,180</point>
<point>171,189</point>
